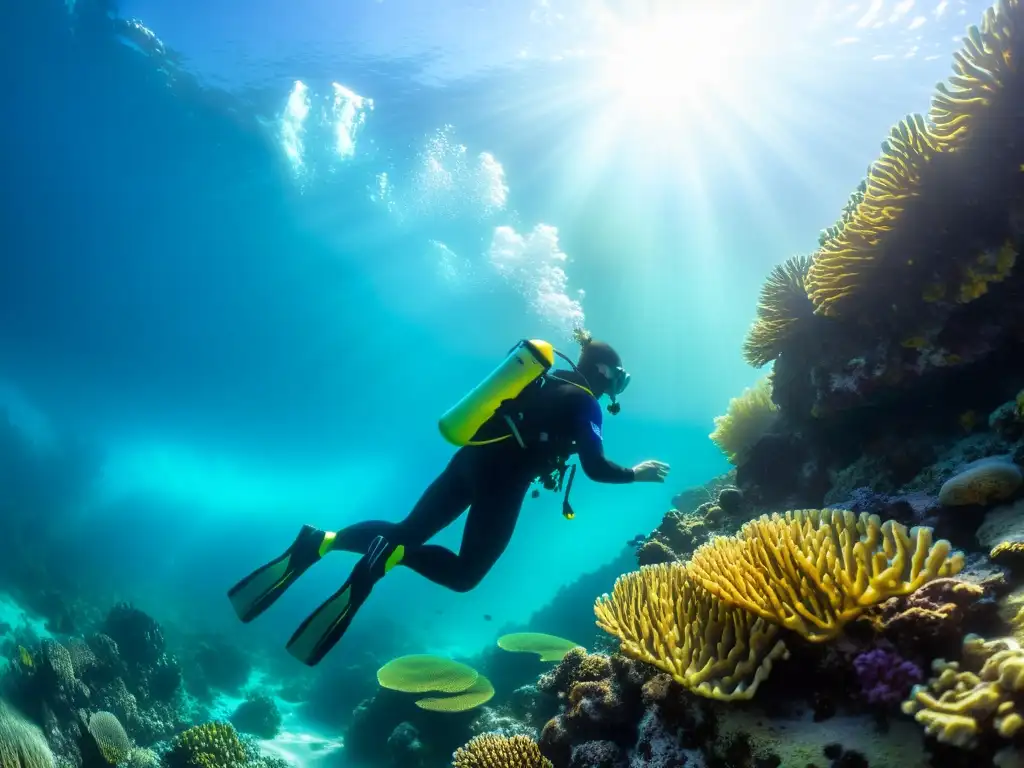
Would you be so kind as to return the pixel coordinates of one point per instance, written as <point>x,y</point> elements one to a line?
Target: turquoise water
<point>250,254</point>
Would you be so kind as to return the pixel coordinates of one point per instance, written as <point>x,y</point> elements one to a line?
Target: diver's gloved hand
<point>650,472</point>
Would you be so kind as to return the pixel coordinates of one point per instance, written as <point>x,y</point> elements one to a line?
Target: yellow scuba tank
<point>526,361</point>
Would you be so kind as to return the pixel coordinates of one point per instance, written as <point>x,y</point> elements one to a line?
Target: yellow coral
<point>865,241</point>
<point>957,706</point>
<point>419,673</point>
<point>991,266</point>
<point>142,757</point>
<point>479,693</point>
<point>783,304</point>
<point>492,751</point>
<point>984,481</point>
<point>844,263</point>
<point>22,744</point>
<point>1006,549</point>
<point>210,745</point>
<point>987,60</point>
<point>662,616</point>
<point>110,737</point>
<point>812,571</point>
<point>547,647</point>
<point>746,420</point>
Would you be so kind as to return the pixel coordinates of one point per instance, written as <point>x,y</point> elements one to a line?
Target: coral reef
<point>547,647</point>
<point>681,532</point>
<point>885,676</point>
<point>747,419</point>
<point>783,309</point>
<point>211,745</point>
<point>22,744</point>
<point>257,715</point>
<point>422,673</point>
<point>489,751</point>
<point>974,703</point>
<point>663,616</point>
<point>110,736</point>
<point>812,571</point>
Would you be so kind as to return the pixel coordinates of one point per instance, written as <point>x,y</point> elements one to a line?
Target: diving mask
<point>618,380</point>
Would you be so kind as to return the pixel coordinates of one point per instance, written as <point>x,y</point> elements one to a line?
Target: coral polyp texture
<point>814,571</point>
<point>420,673</point>
<point>782,306</point>
<point>113,742</point>
<point>747,419</point>
<point>210,745</point>
<point>959,706</point>
<point>492,751</point>
<point>663,616</point>
<point>547,647</point>
<point>714,622</point>
<point>476,695</point>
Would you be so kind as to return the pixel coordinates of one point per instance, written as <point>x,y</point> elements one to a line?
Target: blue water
<point>250,252</point>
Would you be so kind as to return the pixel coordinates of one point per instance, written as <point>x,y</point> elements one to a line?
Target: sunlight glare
<point>667,66</point>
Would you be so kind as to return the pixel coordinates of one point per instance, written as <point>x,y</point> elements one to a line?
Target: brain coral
<point>110,737</point>
<point>987,480</point>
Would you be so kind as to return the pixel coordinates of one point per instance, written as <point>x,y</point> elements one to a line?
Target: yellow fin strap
<point>328,543</point>
<point>395,559</point>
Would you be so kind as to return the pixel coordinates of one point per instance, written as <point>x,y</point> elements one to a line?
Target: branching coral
<point>663,616</point>
<point>490,751</point>
<point>957,706</point>
<point>746,420</point>
<point>211,745</point>
<point>782,305</point>
<point>812,571</point>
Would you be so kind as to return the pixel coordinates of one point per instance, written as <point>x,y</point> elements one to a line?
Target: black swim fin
<point>261,588</point>
<point>322,630</point>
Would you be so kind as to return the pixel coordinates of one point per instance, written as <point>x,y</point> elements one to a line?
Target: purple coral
<point>885,676</point>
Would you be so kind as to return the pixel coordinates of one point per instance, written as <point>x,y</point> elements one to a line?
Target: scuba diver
<point>520,425</point>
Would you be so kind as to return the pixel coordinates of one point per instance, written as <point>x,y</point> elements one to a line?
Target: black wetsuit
<point>558,419</point>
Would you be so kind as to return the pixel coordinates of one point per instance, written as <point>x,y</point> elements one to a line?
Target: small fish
<point>26,657</point>
<point>487,617</point>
